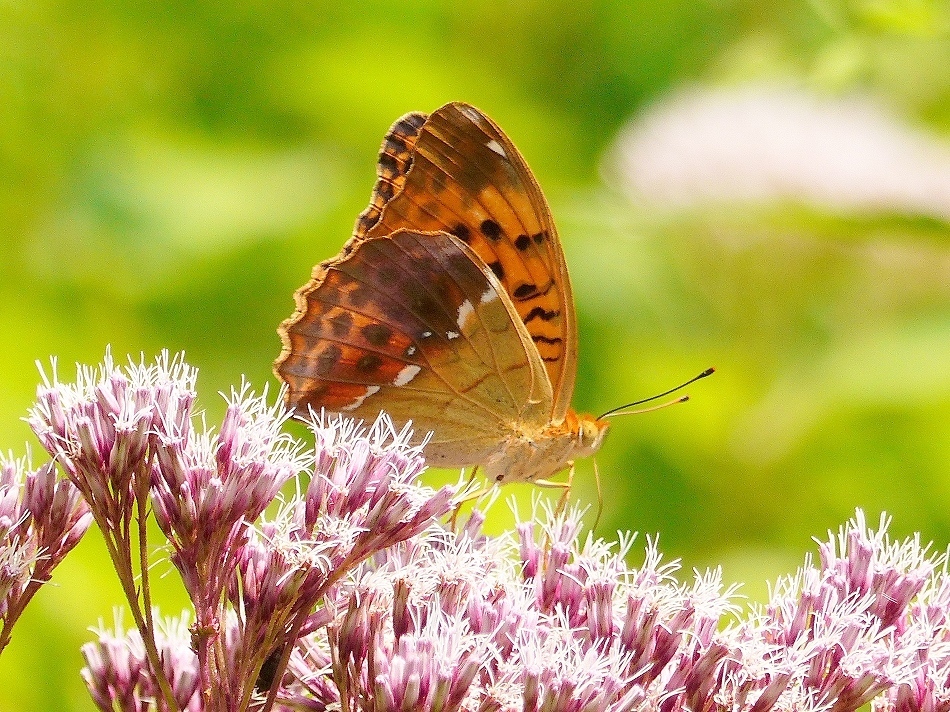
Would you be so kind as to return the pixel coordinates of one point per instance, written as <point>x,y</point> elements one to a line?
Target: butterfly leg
<point>562,503</point>
<point>564,486</point>
<point>600,495</point>
<point>468,495</point>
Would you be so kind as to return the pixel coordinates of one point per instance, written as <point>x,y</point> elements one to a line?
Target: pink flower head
<point>364,481</point>
<point>362,499</point>
<point>100,428</point>
<point>207,488</point>
<point>118,676</point>
<point>41,519</point>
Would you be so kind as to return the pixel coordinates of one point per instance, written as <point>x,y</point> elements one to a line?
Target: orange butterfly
<point>450,306</point>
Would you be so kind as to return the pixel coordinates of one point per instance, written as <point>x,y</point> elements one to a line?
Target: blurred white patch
<point>472,114</point>
<point>761,143</point>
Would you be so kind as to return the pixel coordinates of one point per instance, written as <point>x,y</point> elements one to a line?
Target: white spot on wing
<point>406,374</point>
<point>465,311</point>
<point>497,148</point>
<point>451,335</point>
<point>370,390</point>
<point>490,295</point>
<point>471,113</point>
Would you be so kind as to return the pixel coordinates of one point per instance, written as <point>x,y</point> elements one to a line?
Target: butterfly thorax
<point>528,455</point>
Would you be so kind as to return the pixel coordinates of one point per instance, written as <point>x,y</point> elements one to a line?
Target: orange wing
<point>417,325</point>
<point>456,171</point>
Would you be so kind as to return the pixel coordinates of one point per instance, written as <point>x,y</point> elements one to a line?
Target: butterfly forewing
<point>395,159</point>
<point>455,171</point>
<point>416,325</point>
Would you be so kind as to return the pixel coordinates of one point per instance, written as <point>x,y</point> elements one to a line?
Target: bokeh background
<point>759,186</point>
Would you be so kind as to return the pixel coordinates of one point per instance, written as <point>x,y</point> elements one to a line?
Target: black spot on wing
<point>527,290</point>
<point>522,242</point>
<point>389,164</point>
<point>408,125</point>
<point>394,143</point>
<point>377,334</point>
<point>359,296</point>
<point>340,324</point>
<point>462,232</point>
<point>491,230</point>
<point>367,363</point>
<point>385,190</point>
<point>524,291</point>
<point>539,313</point>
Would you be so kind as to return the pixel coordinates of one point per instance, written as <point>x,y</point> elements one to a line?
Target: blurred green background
<point>171,171</point>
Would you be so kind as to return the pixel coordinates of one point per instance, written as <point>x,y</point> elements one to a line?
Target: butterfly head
<point>590,433</point>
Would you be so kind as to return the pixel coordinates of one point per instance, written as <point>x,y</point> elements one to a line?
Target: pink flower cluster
<point>351,595</point>
<point>446,622</point>
<point>126,438</point>
<point>118,675</point>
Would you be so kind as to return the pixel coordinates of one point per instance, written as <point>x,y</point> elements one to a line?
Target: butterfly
<point>450,307</point>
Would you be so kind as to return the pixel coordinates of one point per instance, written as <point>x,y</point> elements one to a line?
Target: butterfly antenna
<point>661,406</point>
<point>622,410</point>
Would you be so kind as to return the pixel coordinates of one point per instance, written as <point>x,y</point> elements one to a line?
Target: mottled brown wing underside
<point>415,324</point>
<point>456,171</point>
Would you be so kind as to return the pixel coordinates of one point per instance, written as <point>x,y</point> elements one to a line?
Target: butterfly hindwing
<point>416,325</point>
<point>455,171</point>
